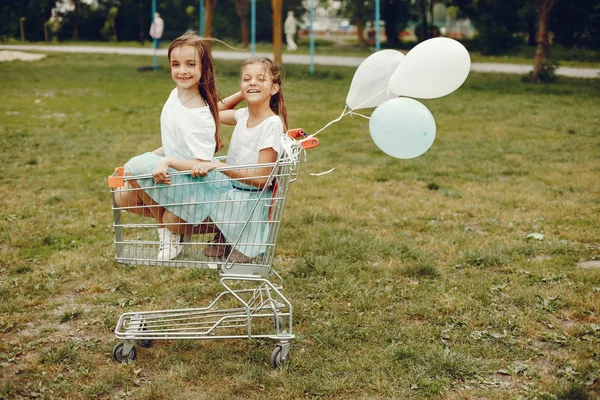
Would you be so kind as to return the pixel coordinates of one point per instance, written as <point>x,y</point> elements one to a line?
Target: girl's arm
<point>160,170</point>
<point>250,176</point>
<point>226,108</point>
<point>159,152</point>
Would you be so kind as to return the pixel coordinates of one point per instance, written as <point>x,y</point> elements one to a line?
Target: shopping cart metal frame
<point>253,291</point>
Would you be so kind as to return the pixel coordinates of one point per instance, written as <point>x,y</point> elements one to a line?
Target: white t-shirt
<point>246,142</point>
<point>187,133</point>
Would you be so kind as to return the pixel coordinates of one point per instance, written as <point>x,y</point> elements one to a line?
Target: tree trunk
<point>140,23</point>
<point>208,17</point>
<point>359,33</point>
<point>431,4</point>
<point>245,30</point>
<point>114,29</point>
<point>424,27</point>
<point>22,26</point>
<point>277,6</point>
<point>242,9</point>
<point>543,8</point>
<point>76,25</point>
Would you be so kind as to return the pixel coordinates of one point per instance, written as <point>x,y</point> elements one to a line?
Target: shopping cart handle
<point>309,143</point>
<point>116,179</point>
<point>306,143</point>
<point>296,133</point>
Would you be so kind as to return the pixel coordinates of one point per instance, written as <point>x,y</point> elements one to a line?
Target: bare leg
<point>178,225</point>
<point>126,197</point>
<point>155,210</point>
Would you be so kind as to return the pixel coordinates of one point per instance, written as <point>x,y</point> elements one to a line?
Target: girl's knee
<point>125,197</point>
<point>120,198</point>
<point>170,218</point>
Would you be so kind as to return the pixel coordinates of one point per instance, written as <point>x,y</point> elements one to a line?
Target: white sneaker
<point>170,245</point>
<point>161,234</point>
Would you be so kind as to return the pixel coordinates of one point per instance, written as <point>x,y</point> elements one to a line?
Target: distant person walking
<point>156,29</point>
<point>289,27</point>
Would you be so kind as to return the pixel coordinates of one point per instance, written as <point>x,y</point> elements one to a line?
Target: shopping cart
<point>252,304</point>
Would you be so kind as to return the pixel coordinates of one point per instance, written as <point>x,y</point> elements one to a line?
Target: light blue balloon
<point>402,128</point>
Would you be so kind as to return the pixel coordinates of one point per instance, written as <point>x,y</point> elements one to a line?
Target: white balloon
<point>370,82</point>
<point>402,128</point>
<point>433,68</point>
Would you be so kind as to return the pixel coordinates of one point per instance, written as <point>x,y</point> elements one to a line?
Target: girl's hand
<point>160,172</point>
<point>204,168</point>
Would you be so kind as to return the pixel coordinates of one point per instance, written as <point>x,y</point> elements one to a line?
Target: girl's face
<point>257,84</point>
<point>185,67</point>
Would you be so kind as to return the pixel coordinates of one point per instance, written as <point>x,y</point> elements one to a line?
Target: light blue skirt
<point>242,215</point>
<point>240,211</point>
<point>187,197</point>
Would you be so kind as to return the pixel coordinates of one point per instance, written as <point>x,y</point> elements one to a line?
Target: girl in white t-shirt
<point>190,134</point>
<point>256,139</point>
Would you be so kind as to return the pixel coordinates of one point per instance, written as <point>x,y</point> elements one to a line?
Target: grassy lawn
<point>409,278</point>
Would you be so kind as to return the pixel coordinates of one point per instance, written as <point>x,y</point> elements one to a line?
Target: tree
<point>35,12</point>
<point>359,11</point>
<point>395,13</point>
<point>242,9</point>
<point>496,21</point>
<point>76,20</point>
<point>22,27</point>
<point>424,28</point>
<point>277,7</point>
<point>208,15</point>
<point>190,11</point>
<point>573,22</point>
<point>112,14</point>
<point>543,9</point>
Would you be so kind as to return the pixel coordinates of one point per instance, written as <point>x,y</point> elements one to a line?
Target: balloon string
<point>344,113</point>
<point>360,115</point>
<point>370,98</point>
<point>323,173</point>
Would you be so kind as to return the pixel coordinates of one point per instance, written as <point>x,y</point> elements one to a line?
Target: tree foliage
<point>576,23</point>
<point>496,22</point>
<point>501,24</point>
<point>504,24</point>
<point>35,12</point>
<point>396,14</point>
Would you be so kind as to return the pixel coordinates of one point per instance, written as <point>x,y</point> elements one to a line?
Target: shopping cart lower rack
<point>252,304</point>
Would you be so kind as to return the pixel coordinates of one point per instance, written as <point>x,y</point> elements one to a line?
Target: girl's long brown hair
<point>207,85</point>
<point>277,102</point>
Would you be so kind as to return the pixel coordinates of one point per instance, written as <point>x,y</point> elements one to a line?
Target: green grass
<point>409,278</point>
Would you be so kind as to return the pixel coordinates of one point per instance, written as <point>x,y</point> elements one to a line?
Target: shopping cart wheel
<point>121,357</point>
<point>278,359</point>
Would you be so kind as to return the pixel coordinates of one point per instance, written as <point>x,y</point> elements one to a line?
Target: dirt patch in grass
<point>10,55</point>
<point>589,264</point>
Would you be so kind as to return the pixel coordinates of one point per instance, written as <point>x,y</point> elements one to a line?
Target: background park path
<point>296,58</point>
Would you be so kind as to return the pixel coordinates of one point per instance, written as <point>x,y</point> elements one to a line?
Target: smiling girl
<point>256,140</point>
<point>190,134</point>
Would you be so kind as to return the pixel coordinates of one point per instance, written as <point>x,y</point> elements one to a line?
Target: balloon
<point>370,81</point>
<point>433,68</point>
<point>402,128</point>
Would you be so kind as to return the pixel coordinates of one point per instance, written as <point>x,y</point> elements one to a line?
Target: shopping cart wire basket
<point>252,304</point>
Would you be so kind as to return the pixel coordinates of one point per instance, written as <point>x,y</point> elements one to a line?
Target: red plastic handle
<point>309,143</point>
<point>116,179</point>
<point>296,133</point>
